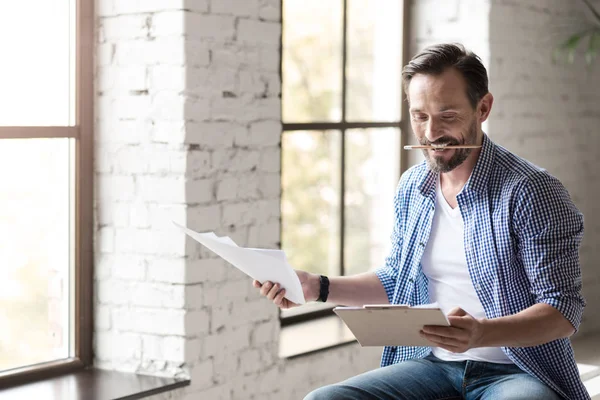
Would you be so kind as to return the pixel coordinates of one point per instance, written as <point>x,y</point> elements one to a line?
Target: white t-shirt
<point>445,265</point>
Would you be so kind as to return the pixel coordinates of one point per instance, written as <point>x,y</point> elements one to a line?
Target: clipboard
<point>389,324</point>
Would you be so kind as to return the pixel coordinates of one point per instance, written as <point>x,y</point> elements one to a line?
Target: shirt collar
<point>479,177</point>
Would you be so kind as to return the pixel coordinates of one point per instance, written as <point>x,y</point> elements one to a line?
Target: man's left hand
<point>464,332</point>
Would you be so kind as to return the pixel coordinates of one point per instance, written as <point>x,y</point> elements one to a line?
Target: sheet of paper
<point>260,264</point>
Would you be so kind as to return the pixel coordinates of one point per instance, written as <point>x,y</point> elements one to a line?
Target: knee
<point>323,393</point>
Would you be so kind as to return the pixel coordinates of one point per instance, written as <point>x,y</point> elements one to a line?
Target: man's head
<point>447,91</point>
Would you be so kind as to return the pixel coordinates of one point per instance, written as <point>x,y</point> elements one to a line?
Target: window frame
<point>82,132</point>
<point>342,126</point>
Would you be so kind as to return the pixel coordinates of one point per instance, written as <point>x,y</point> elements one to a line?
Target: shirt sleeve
<point>388,274</point>
<point>550,229</point>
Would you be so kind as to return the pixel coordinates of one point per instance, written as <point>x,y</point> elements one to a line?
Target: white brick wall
<point>188,129</point>
<point>549,113</point>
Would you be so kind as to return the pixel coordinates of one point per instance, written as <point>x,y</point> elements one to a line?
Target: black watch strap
<point>323,288</point>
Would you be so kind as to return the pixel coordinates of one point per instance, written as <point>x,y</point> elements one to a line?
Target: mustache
<point>449,141</point>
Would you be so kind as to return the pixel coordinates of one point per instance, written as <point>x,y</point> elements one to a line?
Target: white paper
<point>260,264</point>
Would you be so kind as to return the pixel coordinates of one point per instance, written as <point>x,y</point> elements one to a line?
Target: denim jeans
<point>433,379</point>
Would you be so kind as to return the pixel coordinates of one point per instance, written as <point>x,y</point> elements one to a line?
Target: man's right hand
<point>272,291</point>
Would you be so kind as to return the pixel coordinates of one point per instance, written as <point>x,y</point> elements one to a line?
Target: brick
<point>129,267</point>
<point>247,8</point>
<point>172,131</point>
<point>199,191</point>
<point>197,53</point>
<point>270,159</point>
<point>194,299</point>
<point>132,107</point>
<point>144,241</point>
<point>101,317</point>
<point>161,189</point>
<point>162,295</point>
<point>270,13</point>
<point>252,31</point>
<point>168,23</point>
<point>196,322</point>
<point>163,215</point>
<point>227,188</point>
<point>171,77</point>
<point>103,266</point>
<point>204,218</point>
<point>212,135</point>
<point>146,6</point>
<point>118,346</point>
<point>267,133</point>
<point>112,188</point>
<point>170,270</point>
<point>152,321</point>
<point>264,333</point>
<point>167,105</point>
<point>236,160</point>
<point>199,163</point>
<point>206,270</point>
<point>126,27</point>
<point>217,27</point>
<point>106,240</point>
<point>197,109</point>
<point>202,374</point>
<point>270,185</point>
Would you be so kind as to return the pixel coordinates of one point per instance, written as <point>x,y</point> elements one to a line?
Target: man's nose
<point>433,131</point>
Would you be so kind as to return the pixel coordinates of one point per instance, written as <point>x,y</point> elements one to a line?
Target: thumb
<point>457,312</point>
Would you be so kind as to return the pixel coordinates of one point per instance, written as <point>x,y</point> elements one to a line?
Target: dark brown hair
<point>435,59</point>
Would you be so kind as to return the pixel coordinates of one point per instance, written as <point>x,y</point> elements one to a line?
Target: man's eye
<point>420,117</point>
<point>448,117</point>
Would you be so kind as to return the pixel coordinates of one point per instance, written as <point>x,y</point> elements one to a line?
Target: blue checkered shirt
<point>522,237</point>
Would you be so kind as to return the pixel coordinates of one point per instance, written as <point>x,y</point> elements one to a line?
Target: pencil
<point>466,146</point>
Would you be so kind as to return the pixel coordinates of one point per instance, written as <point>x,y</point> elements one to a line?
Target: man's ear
<point>485,107</point>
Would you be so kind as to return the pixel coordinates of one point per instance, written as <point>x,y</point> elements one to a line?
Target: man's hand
<point>464,332</point>
<point>308,281</point>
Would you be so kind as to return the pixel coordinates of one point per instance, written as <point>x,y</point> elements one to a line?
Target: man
<point>490,237</point>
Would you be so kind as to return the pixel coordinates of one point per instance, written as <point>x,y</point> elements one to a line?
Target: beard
<point>438,164</point>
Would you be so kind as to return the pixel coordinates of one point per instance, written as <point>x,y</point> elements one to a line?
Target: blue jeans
<point>433,379</point>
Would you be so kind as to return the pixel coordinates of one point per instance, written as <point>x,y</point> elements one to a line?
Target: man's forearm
<point>538,324</point>
<point>356,290</point>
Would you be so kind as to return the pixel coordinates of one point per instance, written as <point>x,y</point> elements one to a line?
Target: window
<point>342,113</point>
<point>46,197</point>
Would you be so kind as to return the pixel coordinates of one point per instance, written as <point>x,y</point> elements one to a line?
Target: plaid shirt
<point>522,236</point>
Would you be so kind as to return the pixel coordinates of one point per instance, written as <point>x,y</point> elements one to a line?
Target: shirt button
<point>393,349</point>
<point>422,244</point>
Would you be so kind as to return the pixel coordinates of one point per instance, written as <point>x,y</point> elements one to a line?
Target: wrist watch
<point>323,288</point>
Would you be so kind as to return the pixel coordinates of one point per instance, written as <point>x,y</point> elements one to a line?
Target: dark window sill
<point>93,384</point>
<point>314,335</point>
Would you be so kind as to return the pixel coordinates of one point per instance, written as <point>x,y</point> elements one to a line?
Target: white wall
<point>549,113</point>
<point>188,129</point>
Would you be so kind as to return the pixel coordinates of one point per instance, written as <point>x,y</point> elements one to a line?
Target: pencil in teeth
<point>442,146</point>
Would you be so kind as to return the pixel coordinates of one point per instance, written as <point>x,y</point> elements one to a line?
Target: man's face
<point>441,113</point>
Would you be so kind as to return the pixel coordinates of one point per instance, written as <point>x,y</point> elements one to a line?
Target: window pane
<point>372,174</point>
<point>310,205</point>
<point>373,67</point>
<point>36,69</point>
<point>35,236</point>
<point>312,60</point>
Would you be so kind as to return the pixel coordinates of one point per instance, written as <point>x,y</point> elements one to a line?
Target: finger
<point>264,290</point>
<point>460,322</point>
<point>278,300</point>
<point>441,340</point>
<point>256,284</point>
<point>457,312</point>
<point>447,331</point>
<point>273,292</point>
